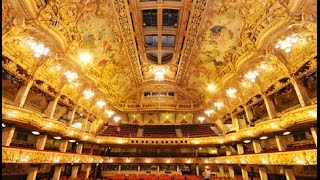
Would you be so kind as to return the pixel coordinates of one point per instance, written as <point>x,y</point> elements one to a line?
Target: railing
<point>15,155</point>
<point>158,106</point>
<point>23,116</point>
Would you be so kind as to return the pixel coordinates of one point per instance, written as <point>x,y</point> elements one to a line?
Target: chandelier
<point>88,94</point>
<point>159,75</point>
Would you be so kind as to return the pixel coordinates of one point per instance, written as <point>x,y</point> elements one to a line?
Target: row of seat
<point>157,131</point>
<point>229,178</point>
<point>152,177</point>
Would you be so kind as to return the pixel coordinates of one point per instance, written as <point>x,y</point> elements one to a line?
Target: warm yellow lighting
<point>249,133</point>
<point>231,92</point>
<point>201,119</point>
<point>247,141</point>
<point>48,125</point>
<point>109,112</point>
<point>159,74</point>
<point>110,160</point>
<point>274,125</point>
<point>313,113</point>
<point>218,105</point>
<point>286,133</point>
<point>189,161</point>
<point>38,48</point>
<point>120,141</point>
<point>3,125</point>
<point>116,119</point>
<point>35,132</point>
<point>85,57</point>
<point>127,160</point>
<point>208,112</point>
<point>168,161</point>
<point>71,140</point>
<point>88,94</point>
<point>264,161</point>
<point>263,137</point>
<point>287,43</point>
<point>71,76</point>
<point>211,87</point>
<point>148,160</point>
<point>56,67</point>
<point>57,137</point>
<point>100,104</point>
<point>12,113</point>
<point>300,160</point>
<point>228,161</point>
<point>251,75</point>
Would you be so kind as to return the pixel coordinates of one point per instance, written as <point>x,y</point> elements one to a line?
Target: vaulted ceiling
<point>194,43</point>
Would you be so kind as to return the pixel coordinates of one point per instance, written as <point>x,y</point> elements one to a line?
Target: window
<point>170,17</point>
<point>168,40</point>
<point>170,93</point>
<point>151,41</point>
<point>147,94</point>
<point>149,17</point>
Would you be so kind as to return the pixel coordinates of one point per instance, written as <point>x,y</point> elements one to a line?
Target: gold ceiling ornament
<point>159,74</point>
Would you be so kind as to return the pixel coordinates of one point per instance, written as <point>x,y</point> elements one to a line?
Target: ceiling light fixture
<point>159,75</point>
<point>100,104</point>
<point>116,119</point>
<point>38,48</point>
<point>263,137</point>
<point>218,104</point>
<point>88,93</point>
<point>286,133</point>
<point>57,137</point>
<point>287,43</point>
<point>71,76</point>
<point>35,132</point>
<point>201,119</point>
<point>72,141</point>
<point>231,92</point>
<point>251,75</point>
<point>247,141</point>
<point>208,112</point>
<point>3,125</point>
<point>109,112</point>
<point>85,57</point>
<point>211,87</point>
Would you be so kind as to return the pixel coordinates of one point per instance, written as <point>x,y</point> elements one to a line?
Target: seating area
<point>120,131</point>
<point>159,131</point>
<point>229,178</point>
<point>23,144</point>
<point>152,177</point>
<point>198,130</point>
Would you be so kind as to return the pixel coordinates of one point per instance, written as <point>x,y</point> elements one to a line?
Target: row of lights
<point>250,77</point>
<point>266,137</point>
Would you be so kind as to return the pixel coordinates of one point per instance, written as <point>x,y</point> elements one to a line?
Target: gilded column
<point>41,142</point>
<point>269,106</point>
<point>23,93</point>
<point>7,134</point>
<point>52,107</point>
<point>301,92</point>
<point>282,146</point>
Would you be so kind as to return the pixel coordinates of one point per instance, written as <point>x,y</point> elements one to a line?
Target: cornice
<point>13,155</point>
<point>304,115</point>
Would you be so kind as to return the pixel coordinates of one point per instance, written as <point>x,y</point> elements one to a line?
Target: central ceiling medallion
<point>159,74</point>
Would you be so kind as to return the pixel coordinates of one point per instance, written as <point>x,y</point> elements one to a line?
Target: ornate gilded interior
<point>75,68</point>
